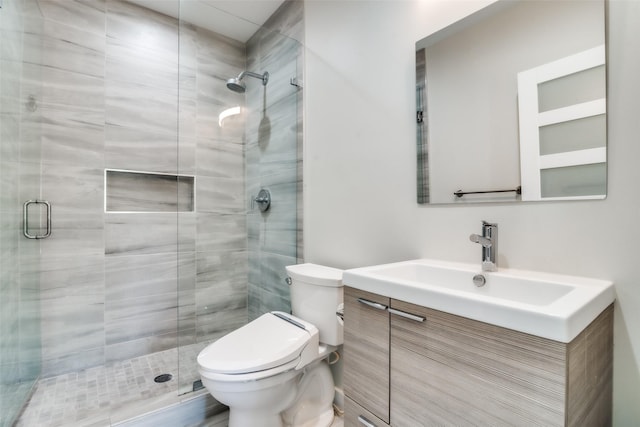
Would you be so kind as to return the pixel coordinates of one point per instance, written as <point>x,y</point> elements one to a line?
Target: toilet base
<point>323,420</point>
<point>313,406</point>
<point>253,418</point>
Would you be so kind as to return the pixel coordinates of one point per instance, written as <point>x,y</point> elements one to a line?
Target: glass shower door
<point>236,143</point>
<point>19,181</point>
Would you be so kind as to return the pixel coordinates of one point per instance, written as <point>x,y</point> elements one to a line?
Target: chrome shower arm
<point>264,77</point>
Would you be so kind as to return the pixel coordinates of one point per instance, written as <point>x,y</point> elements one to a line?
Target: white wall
<point>360,168</point>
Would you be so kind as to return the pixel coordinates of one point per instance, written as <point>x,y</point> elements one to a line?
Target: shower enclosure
<point>19,181</point>
<point>121,118</point>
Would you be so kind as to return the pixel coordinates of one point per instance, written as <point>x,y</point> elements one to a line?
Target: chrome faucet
<point>489,242</point>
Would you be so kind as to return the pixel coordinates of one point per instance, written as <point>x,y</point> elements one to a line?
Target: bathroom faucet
<point>489,242</point>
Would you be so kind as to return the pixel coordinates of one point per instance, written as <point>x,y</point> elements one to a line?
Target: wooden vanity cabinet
<point>366,358</point>
<point>450,370</point>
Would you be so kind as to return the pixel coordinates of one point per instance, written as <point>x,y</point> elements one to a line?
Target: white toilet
<point>272,372</point>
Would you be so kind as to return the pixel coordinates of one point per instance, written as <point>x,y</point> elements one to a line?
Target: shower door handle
<point>25,219</point>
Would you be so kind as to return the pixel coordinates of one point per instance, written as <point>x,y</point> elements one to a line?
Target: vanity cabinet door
<point>366,352</point>
<point>356,416</point>
<point>449,370</point>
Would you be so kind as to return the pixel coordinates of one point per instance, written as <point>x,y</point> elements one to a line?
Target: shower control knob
<point>263,200</point>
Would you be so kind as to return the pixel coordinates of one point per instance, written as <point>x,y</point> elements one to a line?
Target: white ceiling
<point>238,19</point>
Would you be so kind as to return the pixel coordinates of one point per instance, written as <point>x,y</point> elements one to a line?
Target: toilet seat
<point>273,343</point>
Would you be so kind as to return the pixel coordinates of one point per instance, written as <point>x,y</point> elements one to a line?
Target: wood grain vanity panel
<point>352,411</point>
<point>366,352</point>
<point>472,373</point>
<point>450,370</point>
<point>590,374</point>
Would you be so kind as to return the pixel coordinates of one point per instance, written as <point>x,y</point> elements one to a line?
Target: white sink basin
<point>551,306</point>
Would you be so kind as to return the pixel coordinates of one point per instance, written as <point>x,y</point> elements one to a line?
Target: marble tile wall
<point>72,106</point>
<point>221,243</point>
<point>273,151</point>
<point>19,167</point>
<point>118,86</point>
<point>131,89</point>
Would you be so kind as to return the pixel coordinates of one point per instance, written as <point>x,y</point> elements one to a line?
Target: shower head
<point>237,85</point>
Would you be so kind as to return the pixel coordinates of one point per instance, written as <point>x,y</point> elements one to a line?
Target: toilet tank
<point>316,293</point>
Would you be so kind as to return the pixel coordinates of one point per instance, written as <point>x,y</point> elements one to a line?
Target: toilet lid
<point>264,343</point>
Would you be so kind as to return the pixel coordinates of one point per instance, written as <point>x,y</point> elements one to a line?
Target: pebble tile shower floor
<point>91,396</point>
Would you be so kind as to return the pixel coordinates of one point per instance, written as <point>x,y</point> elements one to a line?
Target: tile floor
<point>117,393</point>
<point>93,396</point>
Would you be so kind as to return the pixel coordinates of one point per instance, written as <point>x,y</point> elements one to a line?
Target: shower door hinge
<point>420,116</point>
<point>294,81</point>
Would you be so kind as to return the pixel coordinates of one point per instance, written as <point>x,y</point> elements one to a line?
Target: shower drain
<point>163,378</point>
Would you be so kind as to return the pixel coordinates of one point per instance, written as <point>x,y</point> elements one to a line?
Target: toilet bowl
<point>272,372</point>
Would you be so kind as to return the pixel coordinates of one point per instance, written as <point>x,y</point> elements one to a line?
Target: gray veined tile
<point>187,115</point>
<point>271,274</point>
<point>143,233</point>
<point>31,137</point>
<point>220,195</point>
<point>141,107</point>
<point>71,325</point>
<point>279,141</point>
<point>279,86</point>
<point>274,301</point>
<point>135,318</point>
<point>71,137</point>
<point>277,54</point>
<point>139,347</point>
<point>221,295</point>
<point>222,232</point>
<point>74,234</point>
<point>72,362</point>
<point>186,271</point>
<point>217,324</point>
<point>210,126</point>
<point>85,15</point>
<point>137,149</point>
<point>134,276</point>
<point>73,189</point>
<point>188,45</point>
<point>220,158</point>
<point>218,55</point>
<point>61,46</point>
<point>225,270</point>
<point>186,155</point>
<point>73,276</point>
<point>9,138</point>
<point>10,83</point>
<point>288,20</point>
<point>67,88</point>
<point>149,68</point>
<point>213,90</point>
<point>139,26</point>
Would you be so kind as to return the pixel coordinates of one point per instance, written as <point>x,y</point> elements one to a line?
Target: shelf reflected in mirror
<point>512,97</point>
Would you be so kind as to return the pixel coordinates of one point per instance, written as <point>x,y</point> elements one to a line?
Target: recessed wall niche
<point>135,191</point>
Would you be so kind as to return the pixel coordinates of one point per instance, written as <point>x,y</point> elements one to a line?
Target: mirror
<point>511,105</point>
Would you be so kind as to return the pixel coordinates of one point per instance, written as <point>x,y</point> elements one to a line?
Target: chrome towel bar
<point>460,193</point>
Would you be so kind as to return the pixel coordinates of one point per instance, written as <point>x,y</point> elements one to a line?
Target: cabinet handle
<point>365,422</point>
<point>372,304</point>
<point>407,315</point>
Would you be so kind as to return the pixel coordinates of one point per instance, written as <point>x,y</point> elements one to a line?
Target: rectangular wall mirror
<point>511,105</point>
